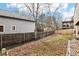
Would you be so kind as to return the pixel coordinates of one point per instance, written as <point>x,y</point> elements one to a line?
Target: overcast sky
<point>67,10</point>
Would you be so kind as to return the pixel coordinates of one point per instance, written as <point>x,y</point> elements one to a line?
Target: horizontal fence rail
<point>19,38</point>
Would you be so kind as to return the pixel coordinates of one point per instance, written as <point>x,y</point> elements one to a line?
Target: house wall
<point>20,26</point>
<point>76,14</point>
<point>76,19</point>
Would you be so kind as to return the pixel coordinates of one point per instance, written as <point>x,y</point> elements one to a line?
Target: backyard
<point>37,29</point>
<point>50,46</point>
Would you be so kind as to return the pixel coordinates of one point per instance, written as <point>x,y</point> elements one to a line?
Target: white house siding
<point>76,19</point>
<point>76,14</point>
<point>21,26</point>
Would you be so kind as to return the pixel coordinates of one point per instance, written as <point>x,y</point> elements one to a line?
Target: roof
<point>67,20</point>
<point>8,14</point>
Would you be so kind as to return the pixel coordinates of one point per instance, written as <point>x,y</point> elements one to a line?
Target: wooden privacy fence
<point>18,38</point>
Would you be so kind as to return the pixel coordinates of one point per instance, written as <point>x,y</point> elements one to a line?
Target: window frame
<point>12,27</point>
<point>3,28</point>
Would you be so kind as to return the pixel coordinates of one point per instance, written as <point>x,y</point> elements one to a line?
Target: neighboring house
<point>67,24</point>
<point>76,20</point>
<point>15,23</point>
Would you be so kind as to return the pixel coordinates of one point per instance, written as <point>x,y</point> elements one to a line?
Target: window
<point>67,25</point>
<point>1,28</point>
<point>63,25</point>
<point>13,28</point>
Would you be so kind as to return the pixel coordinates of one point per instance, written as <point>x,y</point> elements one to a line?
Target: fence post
<point>28,36</point>
<point>1,41</point>
<point>24,37</point>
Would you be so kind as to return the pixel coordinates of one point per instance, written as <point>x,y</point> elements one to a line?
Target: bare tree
<point>49,18</point>
<point>54,14</point>
<point>34,9</point>
<point>59,15</point>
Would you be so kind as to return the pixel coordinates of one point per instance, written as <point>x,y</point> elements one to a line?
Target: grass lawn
<point>53,46</point>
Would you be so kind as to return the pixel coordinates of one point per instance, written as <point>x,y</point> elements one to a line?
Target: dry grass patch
<point>54,46</point>
<point>50,46</point>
